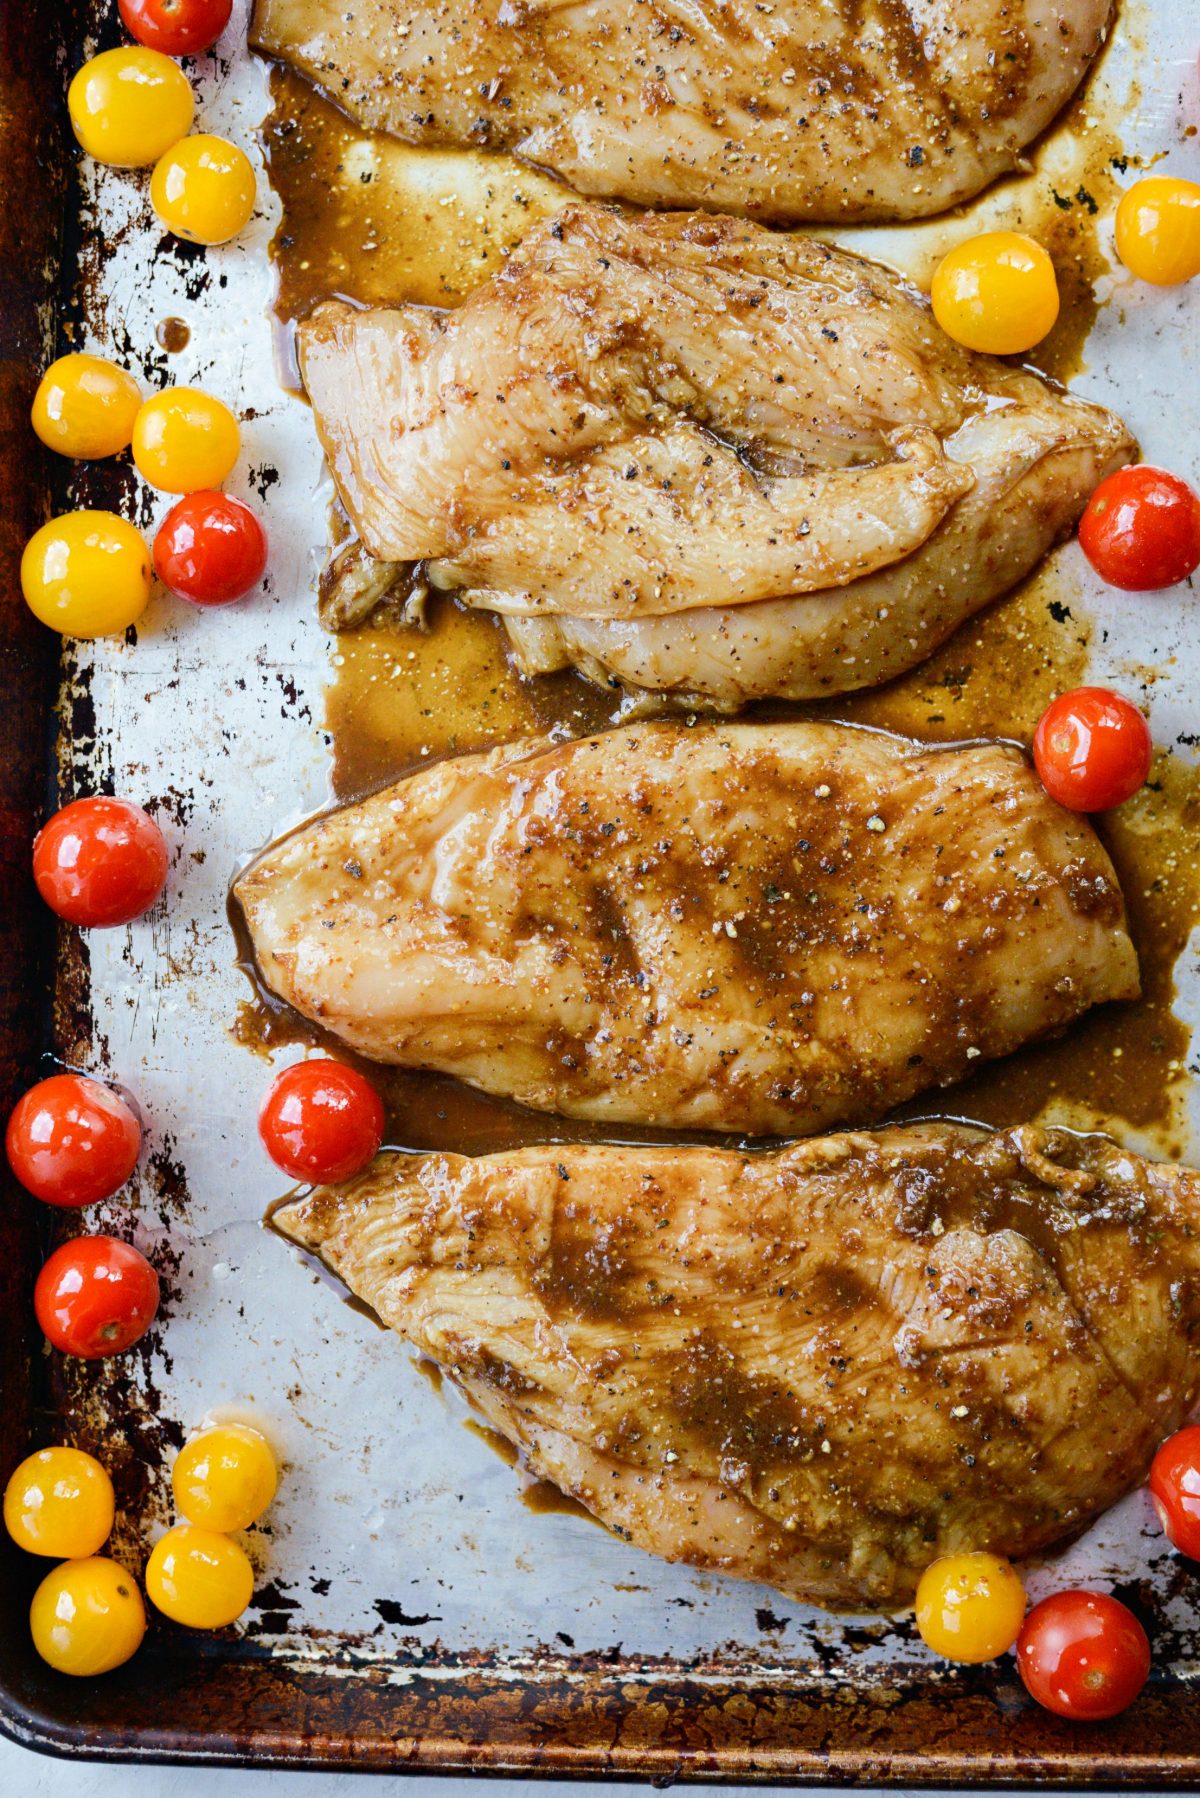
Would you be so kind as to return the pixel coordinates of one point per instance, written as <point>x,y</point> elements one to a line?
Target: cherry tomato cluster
<point>1141,532</point>
<point>87,1615</point>
<point>223,1480</point>
<point>998,292</point>
<point>133,108</point>
<point>87,573</point>
<point>72,1141</point>
<point>1083,1655</point>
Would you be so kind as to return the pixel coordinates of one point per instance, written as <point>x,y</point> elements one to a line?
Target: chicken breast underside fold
<point>698,456</point>
<point>821,1367</point>
<point>769,928</point>
<point>807,109</point>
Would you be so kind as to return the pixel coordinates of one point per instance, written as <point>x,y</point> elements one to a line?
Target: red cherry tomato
<point>1083,1655</point>
<point>320,1121</point>
<point>176,27</point>
<point>100,862</point>
<point>1092,749</point>
<point>1175,1489</point>
<point>95,1296</point>
<point>210,549</point>
<point>1141,529</point>
<point>71,1141</point>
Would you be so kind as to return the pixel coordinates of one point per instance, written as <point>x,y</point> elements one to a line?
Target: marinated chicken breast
<point>699,455</point>
<point>805,109</point>
<point>821,1368</point>
<point>768,928</point>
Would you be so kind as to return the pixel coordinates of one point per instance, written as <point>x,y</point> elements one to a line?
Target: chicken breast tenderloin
<point>699,456</point>
<point>768,928</point>
<point>805,109</point>
<point>820,1368</point>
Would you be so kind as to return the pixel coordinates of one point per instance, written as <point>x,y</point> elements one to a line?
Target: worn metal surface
<point>410,1610</point>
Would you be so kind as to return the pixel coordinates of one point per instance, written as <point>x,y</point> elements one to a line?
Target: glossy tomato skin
<point>969,1607</point>
<point>1175,1489</point>
<point>72,1141</point>
<point>87,1617</point>
<point>86,574</point>
<point>203,188</point>
<point>100,862</point>
<point>321,1121</point>
<point>185,439</point>
<point>210,548</point>
<point>1083,1655</point>
<point>176,27</point>
<point>1141,529</point>
<point>997,292</point>
<point>95,1296</point>
<point>1092,749</point>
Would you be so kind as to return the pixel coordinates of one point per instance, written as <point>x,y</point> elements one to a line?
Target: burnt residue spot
<point>167,1180</point>
<point>766,1619</point>
<point>274,1606</point>
<point>174,804</point>
<point>1059,611</point>
<point>82,768</point>
<point>393,1612</point>
<point>191,259</point>
<point>291,693</point>
<point>263,478</point>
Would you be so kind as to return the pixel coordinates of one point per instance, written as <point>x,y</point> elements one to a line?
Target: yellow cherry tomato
<point>87,1617</point>
<point>996,293</point>
<point>59,1502</point>
<point>86,574</point>
<point>1158,230</point>
<point>184,440</point>
<point>199,1577</point>
<point>85,407</point>
<point>203,189</point>
<point>129,105</point>
<point>970,1607</point>
<point>225,1477</point>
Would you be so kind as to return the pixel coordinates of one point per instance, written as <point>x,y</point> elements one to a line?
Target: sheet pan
<point>410,1610</point>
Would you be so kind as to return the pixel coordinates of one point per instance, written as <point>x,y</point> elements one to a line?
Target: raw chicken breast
<point>769,928</point>
<point>821,1368</point>
<point>699,455</point>
<point>804,109</point>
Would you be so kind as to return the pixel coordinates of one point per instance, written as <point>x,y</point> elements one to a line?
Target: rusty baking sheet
<point>415,1609</point>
